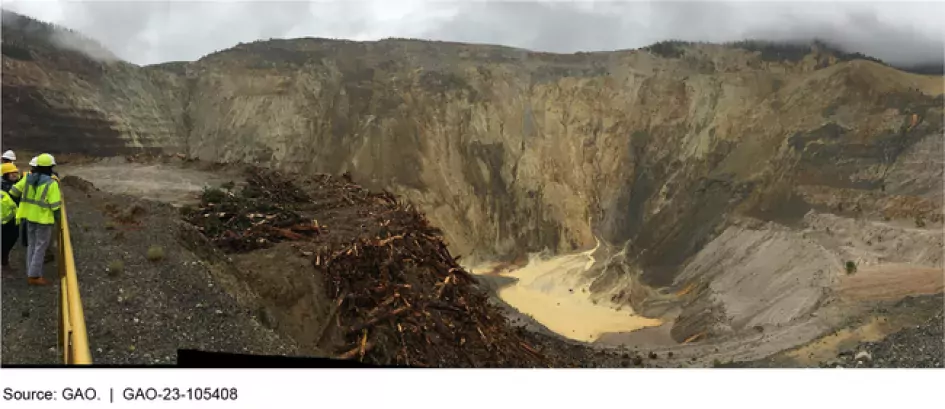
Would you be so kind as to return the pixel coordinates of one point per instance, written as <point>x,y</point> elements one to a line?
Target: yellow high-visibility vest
<point>17,189</point>
<point>8,208</point>
<point>38,202</point>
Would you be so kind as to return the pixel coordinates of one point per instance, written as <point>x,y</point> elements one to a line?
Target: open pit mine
<point>435,204</point>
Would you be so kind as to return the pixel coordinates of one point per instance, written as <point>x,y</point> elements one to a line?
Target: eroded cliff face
<point>61,100</point>
<point>511,151</point>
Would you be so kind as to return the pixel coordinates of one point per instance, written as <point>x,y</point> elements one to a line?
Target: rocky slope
<point>59,99</point>
<point>917,347</point>
<point>657,151</point>
<point>901,334</point>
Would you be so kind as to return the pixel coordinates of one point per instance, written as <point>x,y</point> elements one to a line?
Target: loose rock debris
<point>400,297</point>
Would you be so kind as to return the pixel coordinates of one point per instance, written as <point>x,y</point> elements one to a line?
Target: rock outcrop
<point>654,151</point>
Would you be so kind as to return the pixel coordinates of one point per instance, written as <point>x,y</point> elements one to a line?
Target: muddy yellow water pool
<point>555,293</point>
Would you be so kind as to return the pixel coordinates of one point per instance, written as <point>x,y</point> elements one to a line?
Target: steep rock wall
<point>511,151</point>
<point>61,100</point>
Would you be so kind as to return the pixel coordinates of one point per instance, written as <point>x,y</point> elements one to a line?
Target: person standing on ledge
<point>23,236</point>
<point>9,206</point>
<point>39,210</point>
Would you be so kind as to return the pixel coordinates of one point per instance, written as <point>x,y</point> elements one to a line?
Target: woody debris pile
<point>400,298</point>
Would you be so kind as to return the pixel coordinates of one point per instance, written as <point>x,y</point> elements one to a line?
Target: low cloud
<point>59,36</point>
<point>900,33</point>
<point>150,32</point>
<point>91,48</point>
<point>864,32</point>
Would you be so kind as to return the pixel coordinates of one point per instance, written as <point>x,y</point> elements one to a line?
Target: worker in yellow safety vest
<point>10,230</point>
<point>40,203</point>
<point>23,237</point>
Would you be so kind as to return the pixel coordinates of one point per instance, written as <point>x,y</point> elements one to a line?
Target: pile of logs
<point>405,301</point>
<point>400,298</point>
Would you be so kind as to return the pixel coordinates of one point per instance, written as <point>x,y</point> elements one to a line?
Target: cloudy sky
<point>146,32</point>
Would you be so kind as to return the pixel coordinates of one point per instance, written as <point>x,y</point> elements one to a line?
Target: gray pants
<point>39,236</point>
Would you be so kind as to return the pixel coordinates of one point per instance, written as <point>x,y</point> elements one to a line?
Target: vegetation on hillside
<point>796,51</point>
<point>23,36</point>
<point>791,51</point>
<point>669,48</point>
<point>926,68</point>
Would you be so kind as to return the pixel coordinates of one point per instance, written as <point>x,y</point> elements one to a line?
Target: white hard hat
<point>33,161</point>
<point>9,155</point>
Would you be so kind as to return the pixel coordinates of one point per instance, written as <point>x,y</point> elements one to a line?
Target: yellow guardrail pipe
<point>73,338</point>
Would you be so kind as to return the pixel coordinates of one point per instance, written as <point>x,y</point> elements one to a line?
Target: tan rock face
<point>511,151</point>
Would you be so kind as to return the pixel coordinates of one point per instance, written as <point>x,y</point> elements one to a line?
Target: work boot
<point>38,281</point>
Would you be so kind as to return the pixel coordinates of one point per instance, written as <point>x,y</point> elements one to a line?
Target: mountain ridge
<point>768,48</point>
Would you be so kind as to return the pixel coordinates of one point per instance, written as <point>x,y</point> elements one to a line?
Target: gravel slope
<point>143,314</point>
<point>29,315</point>
<point>920,346</point>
